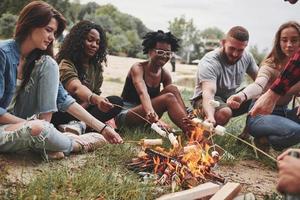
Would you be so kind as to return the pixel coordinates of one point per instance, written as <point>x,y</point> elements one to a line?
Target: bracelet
<point>103,128</point>
<point>90,98</point>
<point>246,97</point>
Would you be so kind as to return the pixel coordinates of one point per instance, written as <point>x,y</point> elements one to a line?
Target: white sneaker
<point>89,141</point>
<point>76,127</point>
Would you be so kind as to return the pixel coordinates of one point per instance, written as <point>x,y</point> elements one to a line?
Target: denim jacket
<point>9,60</point>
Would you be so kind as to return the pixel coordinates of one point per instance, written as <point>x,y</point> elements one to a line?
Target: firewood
<point>197,192</point>
<point>227,192</point>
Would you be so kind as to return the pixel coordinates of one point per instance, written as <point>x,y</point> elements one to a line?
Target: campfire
<point>183,166</point>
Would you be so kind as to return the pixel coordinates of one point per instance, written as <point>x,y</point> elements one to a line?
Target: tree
<point>189,35</point>
<point>88,9</point>
<point>7,25</point>
<point>212,33</point>
<point>258,56</point>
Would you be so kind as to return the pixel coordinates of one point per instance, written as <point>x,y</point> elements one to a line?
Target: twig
<point>269,156</point>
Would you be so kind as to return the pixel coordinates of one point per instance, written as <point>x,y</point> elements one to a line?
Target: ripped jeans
<point>21,139</point>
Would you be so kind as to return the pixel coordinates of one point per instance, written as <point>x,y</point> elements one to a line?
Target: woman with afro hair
<point>142,93</point>
<point>80,60</point>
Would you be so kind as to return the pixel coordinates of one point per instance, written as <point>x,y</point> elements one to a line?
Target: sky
<point>262,18</point>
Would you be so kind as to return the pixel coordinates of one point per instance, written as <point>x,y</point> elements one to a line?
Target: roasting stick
<point>163,133</point>
<point>143,118</point>
<point>222,131</point>
<point>269,156</point>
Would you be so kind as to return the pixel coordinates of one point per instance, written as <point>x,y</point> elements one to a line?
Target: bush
<point>7,25</point>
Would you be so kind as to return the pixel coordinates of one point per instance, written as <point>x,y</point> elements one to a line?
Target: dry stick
<point>244,141</point>
<point>269,156</point>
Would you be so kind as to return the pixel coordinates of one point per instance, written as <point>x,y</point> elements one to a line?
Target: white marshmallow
<point>220,130</point>
<point>152,142</point>
<point>214,154</point>
<point>173,140</point>
<point>207,126</point>
<point>196,120</point>
<point>158,130</point>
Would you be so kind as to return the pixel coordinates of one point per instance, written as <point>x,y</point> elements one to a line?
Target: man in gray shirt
<point>220,73</point>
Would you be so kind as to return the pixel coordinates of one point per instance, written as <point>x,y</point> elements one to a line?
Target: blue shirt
<point>9,60</point>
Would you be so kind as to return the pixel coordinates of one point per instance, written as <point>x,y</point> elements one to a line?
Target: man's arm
<point>208,93</point>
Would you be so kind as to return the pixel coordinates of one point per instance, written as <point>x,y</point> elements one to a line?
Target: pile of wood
<point>172,170</point>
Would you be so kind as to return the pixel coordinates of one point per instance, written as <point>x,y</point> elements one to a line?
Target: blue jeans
<point>21,139</point>
<point>38,96</point>
<point>282,127</point>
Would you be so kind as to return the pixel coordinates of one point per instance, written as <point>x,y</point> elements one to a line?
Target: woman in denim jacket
<point>29,85</point>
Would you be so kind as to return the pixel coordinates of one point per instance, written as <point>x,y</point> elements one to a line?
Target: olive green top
<point>93,77</point>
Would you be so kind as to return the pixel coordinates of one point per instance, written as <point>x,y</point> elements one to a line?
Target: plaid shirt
<point>289,77</point>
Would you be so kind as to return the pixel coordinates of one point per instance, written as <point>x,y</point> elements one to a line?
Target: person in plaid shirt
<point>289,77</point>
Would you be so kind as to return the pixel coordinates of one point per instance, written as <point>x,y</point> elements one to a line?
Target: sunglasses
<point>161,52</point>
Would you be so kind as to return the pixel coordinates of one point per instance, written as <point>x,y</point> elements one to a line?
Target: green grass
<point>104,175</point>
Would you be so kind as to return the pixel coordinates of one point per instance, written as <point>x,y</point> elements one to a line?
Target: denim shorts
<point>121,117</point>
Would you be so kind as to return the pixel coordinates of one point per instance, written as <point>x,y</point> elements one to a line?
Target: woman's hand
<point>111,135</point>
<point>102,103</point>
<point>152,116</point>
<point>235,101</point>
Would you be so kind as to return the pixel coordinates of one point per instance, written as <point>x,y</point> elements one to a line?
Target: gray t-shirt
<point>213,67</point>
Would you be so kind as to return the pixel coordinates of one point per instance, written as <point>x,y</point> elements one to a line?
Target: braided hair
<point>72,47</point>
<point>151,38</point>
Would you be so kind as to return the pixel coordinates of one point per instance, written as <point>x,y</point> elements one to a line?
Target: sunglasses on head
<point>161,52</point>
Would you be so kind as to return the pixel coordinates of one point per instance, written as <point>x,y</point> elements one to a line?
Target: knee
<point>169,97</point>
<point>223,115</point>
<point>172,89</point>
<point>37,126</point>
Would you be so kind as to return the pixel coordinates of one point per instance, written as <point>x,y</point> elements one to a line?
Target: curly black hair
<point>151,38</point>
<point>72,47</point>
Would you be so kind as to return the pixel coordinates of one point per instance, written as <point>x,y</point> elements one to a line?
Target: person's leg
<point>105,116</point>
<point>36,134</point>
<point>165,102</point>
<point>174,90</point>
<point>40,93</point>
<point>222,113</point>
<point>280,131</point>
<point>59,118</point>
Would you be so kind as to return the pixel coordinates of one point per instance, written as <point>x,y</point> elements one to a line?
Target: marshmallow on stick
<point>220,130</point>
<point>207,126</point>
<point>151,142</point>
<point>173,140</point>
<point>158,130</point>
<point>196,121</point>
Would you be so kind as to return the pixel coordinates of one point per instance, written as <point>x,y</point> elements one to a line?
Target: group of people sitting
<point>39,91</point>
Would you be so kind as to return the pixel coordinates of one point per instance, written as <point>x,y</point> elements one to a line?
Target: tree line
<point>124,31</point>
